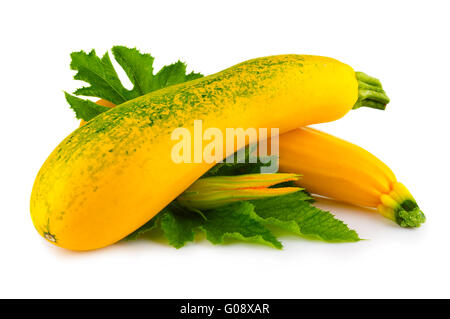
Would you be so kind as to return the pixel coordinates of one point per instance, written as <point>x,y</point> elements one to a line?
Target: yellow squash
<point>338,169</point>
<point>113,174</point>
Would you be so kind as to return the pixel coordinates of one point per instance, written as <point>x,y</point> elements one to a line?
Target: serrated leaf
<point>84,109</point>
<point>138,67</point>
<point>173,74</point>
<point>237,221</point>
<point>105,83</point>
<point>179,225</point>
<point>295,213</point>
<point>247,221</point>
<point>100,74</point>
<point>193,76</point>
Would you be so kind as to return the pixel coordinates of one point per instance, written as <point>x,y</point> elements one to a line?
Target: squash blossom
<point>216,191</point>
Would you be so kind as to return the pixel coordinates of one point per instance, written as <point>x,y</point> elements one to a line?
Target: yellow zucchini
<point>113,174</point>
<point>338,169</point>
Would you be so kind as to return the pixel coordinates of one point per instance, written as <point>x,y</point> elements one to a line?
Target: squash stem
<point>400,206</point>
<point>409,215</point>
<point>370,92</point>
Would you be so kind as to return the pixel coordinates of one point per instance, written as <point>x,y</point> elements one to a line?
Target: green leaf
<point>105,83</point>
<point>100,74</point>
<point>173,74</point>
<point>235,168</point>
<point>137,66</point>
<point>84,109</point>
<point>295,213</point>
<point>248,221</point>
<point>179,225</point>
<point>237,221</point>
<point>193,76</point>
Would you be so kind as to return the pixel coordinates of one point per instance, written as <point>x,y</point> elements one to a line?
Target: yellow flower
<point>216,191</point>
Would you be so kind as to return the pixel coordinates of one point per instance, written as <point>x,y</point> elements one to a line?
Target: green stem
<point>409,214</point>
<point>370,92</point>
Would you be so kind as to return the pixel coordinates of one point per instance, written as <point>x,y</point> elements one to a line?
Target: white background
<point>404,43</point>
